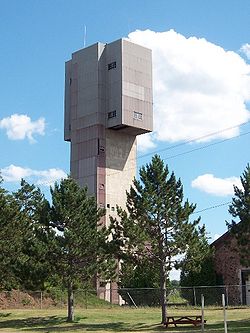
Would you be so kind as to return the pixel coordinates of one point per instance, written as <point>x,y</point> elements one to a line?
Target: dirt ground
<point>17,299</point>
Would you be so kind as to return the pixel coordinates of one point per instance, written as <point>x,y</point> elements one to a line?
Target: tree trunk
<point>163,294</point>
<point>70,303</point>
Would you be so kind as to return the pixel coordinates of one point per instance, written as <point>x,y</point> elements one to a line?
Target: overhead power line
<point>190,141</point>
<point>193,140</point>
<point>211,207</point>
<point>188,151</point>
<point>206,146</point>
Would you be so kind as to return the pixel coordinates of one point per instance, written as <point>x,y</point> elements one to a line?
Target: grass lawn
<point>117,319</point>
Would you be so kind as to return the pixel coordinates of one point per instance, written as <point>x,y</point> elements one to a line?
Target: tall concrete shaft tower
<point>108,102</point>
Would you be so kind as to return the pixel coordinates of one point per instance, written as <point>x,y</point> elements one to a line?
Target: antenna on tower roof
<point>84,38</point>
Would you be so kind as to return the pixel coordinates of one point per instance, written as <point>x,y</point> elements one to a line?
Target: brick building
<point>230,270</point>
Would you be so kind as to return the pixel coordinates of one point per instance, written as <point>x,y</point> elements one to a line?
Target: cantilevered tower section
<point>108,102</point>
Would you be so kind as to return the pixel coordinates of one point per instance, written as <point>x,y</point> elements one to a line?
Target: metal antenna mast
<point>84,38</point>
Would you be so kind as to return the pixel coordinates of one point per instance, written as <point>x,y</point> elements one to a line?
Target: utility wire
<point>193,140</point>
<point>187,142</point>
<point>188,151</point>
<point>206,146</point>
<point>180,154</point>
<point>211,207</point>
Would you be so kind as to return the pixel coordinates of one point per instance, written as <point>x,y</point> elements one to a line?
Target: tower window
<point>101,149</point>
<point>137,115</point>
<point>112,114</point>
<point>112,65</point>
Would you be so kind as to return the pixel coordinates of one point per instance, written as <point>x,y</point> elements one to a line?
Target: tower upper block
<point>109,85</point>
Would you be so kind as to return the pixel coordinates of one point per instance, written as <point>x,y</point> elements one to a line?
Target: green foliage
<point>199,270</point>
<point>174,283</point>
<point>80,254</point>
<point>198,265</point>
<point>143,275</point>
<point>240,210</point>
<point>33,267</point>
<point>156,226</point>
<point>206,276</point>
<point>34,256</point>
<point>142,281</point>
<point>81,238</point>
<point>10,239</point>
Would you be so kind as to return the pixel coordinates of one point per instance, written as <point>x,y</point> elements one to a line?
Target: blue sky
<point>201,65</point>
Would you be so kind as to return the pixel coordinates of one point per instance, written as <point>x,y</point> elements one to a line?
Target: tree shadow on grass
<point>59,324</point>
<point>236,326</point>
<point>4,315</point>
<point>31,322</point>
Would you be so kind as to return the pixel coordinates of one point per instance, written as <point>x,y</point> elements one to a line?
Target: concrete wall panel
<point>87,167</point>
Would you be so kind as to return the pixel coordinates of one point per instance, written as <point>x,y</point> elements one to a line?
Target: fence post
<point>41,300</point>
<point>202,313</point>
<point>132,299</point>
<point>224,312</point>
<point>62,299</point>
<point>111,294</point>
<point>86,301</point>
<point>227,298</point>
<point>194,293</point>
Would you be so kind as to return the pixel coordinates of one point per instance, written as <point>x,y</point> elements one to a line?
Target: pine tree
<point>10,239</point>
<point>33,267</point>
<point>240,211</point>
<point>156,224</point>
<point>80,253</point>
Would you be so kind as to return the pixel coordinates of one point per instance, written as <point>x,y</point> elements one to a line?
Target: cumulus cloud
<point>217,186</point>
<point>246,50</point>
<point>13,173</point>
<point>198,86</point>
<point>20,127</point>
<point>48,177</point>
<point>145,142</point>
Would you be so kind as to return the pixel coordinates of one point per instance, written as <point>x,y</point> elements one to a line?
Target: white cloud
<point>20,126</point>
<point>145,142</point>
<point>199,87</point>
<point>14,173</point>
<point>48,177</point>
<point>246,50</point>
<point>217,186</point>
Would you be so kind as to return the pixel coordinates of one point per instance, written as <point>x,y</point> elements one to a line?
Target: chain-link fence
<point>237,295</point>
